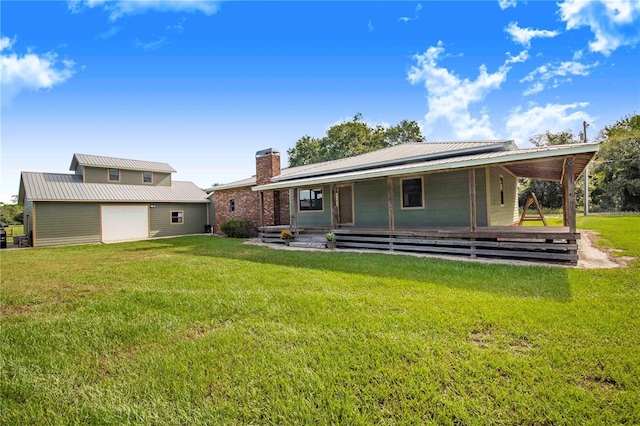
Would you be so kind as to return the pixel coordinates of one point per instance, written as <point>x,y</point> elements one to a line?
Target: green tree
<point>549,193</point>
<point>352,138</point>
<point>11,213</point>
<point>617,171</point>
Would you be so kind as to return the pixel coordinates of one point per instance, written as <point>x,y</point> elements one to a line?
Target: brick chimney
<point>267,165</point>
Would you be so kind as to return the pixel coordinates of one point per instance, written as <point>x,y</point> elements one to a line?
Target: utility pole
<point>586,173</point>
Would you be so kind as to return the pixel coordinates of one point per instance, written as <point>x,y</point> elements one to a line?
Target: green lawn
<point>13,230</point>
<point>204,330</point>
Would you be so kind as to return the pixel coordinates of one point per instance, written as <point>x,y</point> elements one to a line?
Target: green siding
<point>28,216</point>
<point>503,215</point>
<point>317,218</point>
<point>371,210</point>
<point>66,223</point>
<point>212,212</point>
<point>446,202</point>
<point>127,177</point>
<point>481,197</point>
<point>195,217</point>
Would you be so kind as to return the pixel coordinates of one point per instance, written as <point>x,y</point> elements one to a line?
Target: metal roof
<point>399,154</point>
<point>237,184</point>
<point>68,187</point>
<point>118,163</point>
<point>504,158</point>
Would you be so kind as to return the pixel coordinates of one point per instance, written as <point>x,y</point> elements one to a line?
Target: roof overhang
<point>543,163</point>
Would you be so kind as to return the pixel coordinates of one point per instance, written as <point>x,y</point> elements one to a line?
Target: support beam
<point>569,195</point>
<point>295,208</point>
<point>472,200</point>
<point>392,224</point>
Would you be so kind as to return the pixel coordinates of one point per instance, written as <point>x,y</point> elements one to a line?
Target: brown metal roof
<point>119,163</point>
<point>67,187</point>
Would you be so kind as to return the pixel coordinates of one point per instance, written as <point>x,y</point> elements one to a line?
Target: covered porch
<point>538,243</point>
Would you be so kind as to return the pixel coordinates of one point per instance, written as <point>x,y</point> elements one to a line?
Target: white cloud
<point>524,36</point>
<point>179,27</point>
<point>505,4</point>
<point>520,57</point>
<point>406,19</point>
<point>521,123</point>
<point>120,8</point>
<point>150,45</point>
<point>6,43</point>
<point>111,32</point>
<point>449,97</point>
<point>553,75</point>
<point>370,26</point>
<point>613,22</point>
<point>30,72</point>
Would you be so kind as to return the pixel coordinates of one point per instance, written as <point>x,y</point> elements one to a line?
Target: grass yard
<point>13,230</point>
<point>203,330</point>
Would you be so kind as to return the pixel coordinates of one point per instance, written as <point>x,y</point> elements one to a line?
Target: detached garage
<point>109,200</point>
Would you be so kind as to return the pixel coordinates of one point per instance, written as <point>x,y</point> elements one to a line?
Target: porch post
<point>571,192</point>
<point>261,202</point>
<point>392,224</point>
<point>472,199</point>
<point>294,208</point>
<point>334,206</point>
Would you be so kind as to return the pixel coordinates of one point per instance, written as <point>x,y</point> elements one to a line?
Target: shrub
<point>286,235</point>
<point>330,236</point>
<point>235,228</point>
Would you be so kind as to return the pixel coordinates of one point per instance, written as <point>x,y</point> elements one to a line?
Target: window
<point>501,191</point>
<point>412,193</point>
<point>310,199</point>
<point>232,205</point>
<point>147,177</point>
<point>177,217</point>
<point>114,175</point>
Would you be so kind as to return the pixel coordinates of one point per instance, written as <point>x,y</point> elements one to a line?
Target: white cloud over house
<point>614,23</point>
<point>522,123</point>
<point>450,97</point>
<point>120,8</point>
<point>30,72</point>
<point>505,4</point>
<point>553,75</point>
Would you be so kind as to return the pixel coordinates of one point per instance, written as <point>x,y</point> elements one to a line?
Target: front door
<point>345,205</point>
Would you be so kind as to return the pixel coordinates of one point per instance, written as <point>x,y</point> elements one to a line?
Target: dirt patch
<point>590,256</point>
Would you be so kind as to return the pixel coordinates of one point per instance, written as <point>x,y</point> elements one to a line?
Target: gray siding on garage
<point>28,216</point>
<point>66,223</point>
<point>371,209</point>
<point>503,215</point>
<point>195,217</point>
<point>446,198</point>
<point>317,218</point>
<point>127,177</point>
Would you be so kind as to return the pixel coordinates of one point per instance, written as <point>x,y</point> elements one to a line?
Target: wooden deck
<point>535,243</point>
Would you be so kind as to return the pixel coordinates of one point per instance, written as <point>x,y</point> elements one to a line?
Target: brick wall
<point>267,166</point>
<point>247,206</point>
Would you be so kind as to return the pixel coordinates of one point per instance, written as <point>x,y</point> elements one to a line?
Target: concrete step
<point>307,244</point>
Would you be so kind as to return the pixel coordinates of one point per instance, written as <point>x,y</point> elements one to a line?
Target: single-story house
<point>443,197</point>
<point>109,199</point>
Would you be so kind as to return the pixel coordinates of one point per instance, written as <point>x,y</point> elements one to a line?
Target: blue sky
<point>203,85</point>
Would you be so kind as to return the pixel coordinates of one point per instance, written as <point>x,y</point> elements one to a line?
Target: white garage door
<point>120,223</point>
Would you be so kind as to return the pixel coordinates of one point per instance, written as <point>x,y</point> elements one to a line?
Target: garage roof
<point>68,187</point>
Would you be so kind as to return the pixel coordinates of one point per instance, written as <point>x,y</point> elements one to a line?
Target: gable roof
<point>118,163</point>
<point>394,155</point>
<point>542,163</point>
<point>68,187</point>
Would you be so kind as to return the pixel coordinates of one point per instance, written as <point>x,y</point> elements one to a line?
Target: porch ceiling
<point>548,169</point>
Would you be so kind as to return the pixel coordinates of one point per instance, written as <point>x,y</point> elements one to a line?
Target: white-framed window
<point>310,199</point>
<point>147,177</point>
<point>177,217</point>
<point>114,175</point>
<point>412,193</point>
<point>501,190</point>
